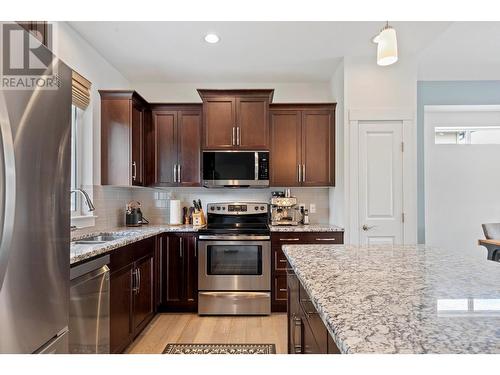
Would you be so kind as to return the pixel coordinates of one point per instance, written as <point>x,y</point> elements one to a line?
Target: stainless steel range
<point>234,269</point>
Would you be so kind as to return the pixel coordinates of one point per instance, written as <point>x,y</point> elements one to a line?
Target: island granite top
<point>402,299</point>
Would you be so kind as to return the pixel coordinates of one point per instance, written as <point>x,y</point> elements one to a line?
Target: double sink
<point>102,238</point>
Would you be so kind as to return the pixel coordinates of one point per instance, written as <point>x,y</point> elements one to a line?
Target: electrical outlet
<point>312,208</point>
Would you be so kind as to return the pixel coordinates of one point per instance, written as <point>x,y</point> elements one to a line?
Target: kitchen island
<point>401,299</point>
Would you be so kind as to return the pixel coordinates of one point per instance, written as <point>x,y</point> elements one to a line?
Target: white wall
<point>462,182</point>
<point>336,193</point>
<point>79,55</point>
<point>186,92</point>
<point>368,86</point>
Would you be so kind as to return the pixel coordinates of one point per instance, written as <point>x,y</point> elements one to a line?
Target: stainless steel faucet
<point>87,198</point>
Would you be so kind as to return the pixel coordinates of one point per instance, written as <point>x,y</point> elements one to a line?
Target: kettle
<point>133,215</point>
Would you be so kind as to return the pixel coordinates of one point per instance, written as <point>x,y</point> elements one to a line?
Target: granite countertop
<point>306,228</point>
<point>128,235</point>
<point>402,299</point>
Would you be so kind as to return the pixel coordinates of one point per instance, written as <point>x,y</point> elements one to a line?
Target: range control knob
<point>262,208</point>
<point>256,208</point>
<point>218,208</point>
<point>212,208</point>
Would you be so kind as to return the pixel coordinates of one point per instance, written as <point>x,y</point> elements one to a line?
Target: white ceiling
<point>464,51</point>
<point>248,51</point>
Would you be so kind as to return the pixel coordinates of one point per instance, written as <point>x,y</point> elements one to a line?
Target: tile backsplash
<point>155,202</point>
<point>110,202</point>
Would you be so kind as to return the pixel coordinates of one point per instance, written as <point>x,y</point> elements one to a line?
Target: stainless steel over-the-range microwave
<point>236,169</point>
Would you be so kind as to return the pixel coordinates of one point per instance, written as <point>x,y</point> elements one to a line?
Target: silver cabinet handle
<point>178,173</point>
<point>139,280</point>
<point>175,172</point>
<point>282,261</point>
<point>326,239</point>
<point>299,173</point>
<point>303,173</point>
<point>180,248</point>
<point>161,267</point>
<point>238,140</point>
<point>289,239</point>
<point>195,249</point>
<point>134,170</point>
<point>283,290</point>
<point>297,337</point>
<point>233,142</point>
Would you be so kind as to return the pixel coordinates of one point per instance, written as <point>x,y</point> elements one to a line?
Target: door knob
<point>366,227</point>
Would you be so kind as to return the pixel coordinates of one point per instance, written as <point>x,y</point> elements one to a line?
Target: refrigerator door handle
<point>8,190</point>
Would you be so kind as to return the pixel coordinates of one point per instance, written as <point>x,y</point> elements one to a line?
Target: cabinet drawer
<point>280,288</point>
<point>315,238</point>
<point>280,260</point>
<point>318,238</point>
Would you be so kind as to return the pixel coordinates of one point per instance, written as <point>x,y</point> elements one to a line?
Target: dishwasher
<point>89,307</point>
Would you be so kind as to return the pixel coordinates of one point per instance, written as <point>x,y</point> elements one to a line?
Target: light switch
<point>312,208</point>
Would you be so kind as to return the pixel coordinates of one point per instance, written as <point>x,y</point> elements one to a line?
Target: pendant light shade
<point>387,46</point>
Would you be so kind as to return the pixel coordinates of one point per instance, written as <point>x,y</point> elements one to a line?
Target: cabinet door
<point>294,315</point>
<point>252,123</point>
<point>191,264</point>
<point>317,148</point>
<point>120,308</point>
<point>309,344</point>
<point>285,148</point>
<point>219,118</point>
<point>189,141</point>
<point>165,128</point>
<point>137,169</point>
<point>173,271</point>
<point>144,293</point>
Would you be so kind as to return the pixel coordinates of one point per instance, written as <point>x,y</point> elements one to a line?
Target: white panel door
<point>380,183</point>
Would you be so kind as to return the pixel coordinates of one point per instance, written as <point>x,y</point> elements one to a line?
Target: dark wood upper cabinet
<point>252,123</point>
<point>285,147</point>
<point>302,144</point>
<point>236,119</point>
<point>219,124</point>
<point>179,272</point>
<point>124,127</point>
<point>318,148</point>
<point>165,128</point>
<point>176,145</point>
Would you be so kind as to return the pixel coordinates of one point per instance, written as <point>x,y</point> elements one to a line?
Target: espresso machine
<point>284,210</point>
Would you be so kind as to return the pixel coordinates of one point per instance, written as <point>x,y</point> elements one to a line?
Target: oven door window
<point>234,260</point>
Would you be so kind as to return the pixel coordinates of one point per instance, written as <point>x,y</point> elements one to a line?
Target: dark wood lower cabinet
<point>178,273</point>
<point>307,333</point>
<point>278,270</point>
<point>132,302</point>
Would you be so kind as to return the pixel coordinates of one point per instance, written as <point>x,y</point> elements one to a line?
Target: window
<point>76,159</point>
<point>467,135</point>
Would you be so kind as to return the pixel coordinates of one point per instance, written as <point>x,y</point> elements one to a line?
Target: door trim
<point>355,117</point>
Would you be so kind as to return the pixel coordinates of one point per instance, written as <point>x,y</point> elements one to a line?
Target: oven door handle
<point>233,238</point>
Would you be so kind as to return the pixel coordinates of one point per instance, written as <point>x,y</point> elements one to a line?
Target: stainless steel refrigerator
<point>35,157</point>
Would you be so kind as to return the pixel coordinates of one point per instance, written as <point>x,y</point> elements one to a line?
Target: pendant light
<point>387,46</point>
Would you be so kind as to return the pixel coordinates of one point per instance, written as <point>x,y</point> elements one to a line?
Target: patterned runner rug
<point>220,349</point>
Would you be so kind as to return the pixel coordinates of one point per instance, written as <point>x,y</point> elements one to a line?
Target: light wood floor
<point>193,329</point>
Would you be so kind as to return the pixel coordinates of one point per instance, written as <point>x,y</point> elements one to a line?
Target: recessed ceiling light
<point>211,38</point>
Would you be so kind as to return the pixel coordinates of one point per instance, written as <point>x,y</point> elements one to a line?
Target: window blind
<point>80,91</point>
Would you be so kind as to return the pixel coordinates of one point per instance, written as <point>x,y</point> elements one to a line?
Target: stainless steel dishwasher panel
<point>89,308</point>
